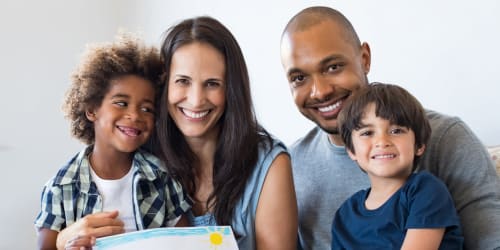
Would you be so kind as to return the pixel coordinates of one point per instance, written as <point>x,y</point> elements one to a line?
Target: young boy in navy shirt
<point>385,131</point>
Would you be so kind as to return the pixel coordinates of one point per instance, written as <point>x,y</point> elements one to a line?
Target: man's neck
<point>335,139</point>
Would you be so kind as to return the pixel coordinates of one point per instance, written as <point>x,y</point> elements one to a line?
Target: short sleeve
<point>178,203</point>
<point>429,203</point>
<point>51,215</point>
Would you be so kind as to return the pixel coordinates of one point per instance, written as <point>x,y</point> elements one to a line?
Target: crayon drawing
<point>187,238</point>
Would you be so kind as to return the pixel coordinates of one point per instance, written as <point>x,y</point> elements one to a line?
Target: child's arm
<point>47,239</point>
<point>183,221</point>
<point>425,238</point>
<point>95,225</point>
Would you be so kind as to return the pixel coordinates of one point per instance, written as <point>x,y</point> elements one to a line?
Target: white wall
<point>444,52</point>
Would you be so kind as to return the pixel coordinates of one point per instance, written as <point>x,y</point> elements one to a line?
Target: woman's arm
<point>276,217</point>
<point>423,239</point>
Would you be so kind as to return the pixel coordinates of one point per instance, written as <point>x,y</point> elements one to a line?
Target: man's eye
<point>297,78</point>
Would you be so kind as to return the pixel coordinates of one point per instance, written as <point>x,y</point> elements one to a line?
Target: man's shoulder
<point>309,140</point>
<point>440,121</point>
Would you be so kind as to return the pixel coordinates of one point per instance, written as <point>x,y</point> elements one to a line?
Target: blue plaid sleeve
<point>51,215</point>
<point>178,203</point>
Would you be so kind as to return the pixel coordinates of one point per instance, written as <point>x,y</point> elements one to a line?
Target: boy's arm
<point>93,225</point>
<point>422,239</point>
<point>47,239</point>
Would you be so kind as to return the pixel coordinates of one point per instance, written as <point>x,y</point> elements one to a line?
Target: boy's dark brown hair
<point>100,65</point>
<point>392,103</point>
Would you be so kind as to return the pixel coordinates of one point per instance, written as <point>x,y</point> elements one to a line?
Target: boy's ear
<point>351,155</point>
<point>90,114</point>
<point>420,151</point>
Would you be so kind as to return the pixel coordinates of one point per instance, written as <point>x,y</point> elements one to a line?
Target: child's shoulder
<point>71,171</point>
<point>149,164</point>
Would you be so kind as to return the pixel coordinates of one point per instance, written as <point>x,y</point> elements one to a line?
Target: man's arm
<point>459,158</point>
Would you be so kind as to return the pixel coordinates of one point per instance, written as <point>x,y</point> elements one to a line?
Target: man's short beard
<point>332,131</point>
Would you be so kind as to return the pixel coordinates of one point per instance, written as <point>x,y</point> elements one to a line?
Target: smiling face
<point>383,149</point>
<point>196,89</point>
<point>125,118</point>
<point>323,69</point>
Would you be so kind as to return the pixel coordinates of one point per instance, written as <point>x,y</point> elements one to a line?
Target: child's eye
<point>398,131</point>
<point>366,133</point>
<point>147,109</point>
<point>121,103</point>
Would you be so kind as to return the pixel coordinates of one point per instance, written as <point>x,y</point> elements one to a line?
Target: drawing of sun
<point>216,238</point>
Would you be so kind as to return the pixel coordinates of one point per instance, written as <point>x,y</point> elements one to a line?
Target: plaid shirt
<point>71,194</point>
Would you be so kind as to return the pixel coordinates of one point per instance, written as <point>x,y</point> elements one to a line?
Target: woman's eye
<point>182,81</point>
<point>213,84</point>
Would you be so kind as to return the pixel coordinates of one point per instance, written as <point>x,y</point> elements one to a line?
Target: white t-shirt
<point>117,195</point>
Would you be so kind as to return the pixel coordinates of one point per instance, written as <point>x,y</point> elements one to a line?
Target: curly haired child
<point>111,186</point>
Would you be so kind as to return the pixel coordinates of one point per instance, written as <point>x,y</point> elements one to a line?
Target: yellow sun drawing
<point>216,238</point>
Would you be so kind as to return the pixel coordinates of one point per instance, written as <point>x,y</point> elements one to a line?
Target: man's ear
<point>90,114</point>
<point>420,151</point>
<point>366,57</point>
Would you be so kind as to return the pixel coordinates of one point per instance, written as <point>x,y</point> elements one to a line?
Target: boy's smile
<point>125,119</point>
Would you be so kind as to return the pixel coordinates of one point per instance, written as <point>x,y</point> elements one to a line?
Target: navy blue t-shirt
<point>422,202</point>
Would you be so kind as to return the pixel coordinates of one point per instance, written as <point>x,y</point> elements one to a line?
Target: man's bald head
<point>314,15</point>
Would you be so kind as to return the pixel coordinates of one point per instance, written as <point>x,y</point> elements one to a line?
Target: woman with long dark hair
<point>236,173</point>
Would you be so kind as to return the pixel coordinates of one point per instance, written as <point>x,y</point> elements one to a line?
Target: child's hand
<point>93,225</point>
<point>80,243</point>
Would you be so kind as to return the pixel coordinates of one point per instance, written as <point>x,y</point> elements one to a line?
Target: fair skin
<point>122,123</point>
<point>386,152</point>
<point>196,99</point>
<point>323,70</point>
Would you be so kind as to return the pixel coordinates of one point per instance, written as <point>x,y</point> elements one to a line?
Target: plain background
<point>444,52</point>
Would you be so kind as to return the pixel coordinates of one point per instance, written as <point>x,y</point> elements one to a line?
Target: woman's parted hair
<point>392,103</point>
<point>240,134</point>
<point>101,64</point>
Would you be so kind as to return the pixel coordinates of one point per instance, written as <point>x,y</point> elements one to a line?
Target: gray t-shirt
<point>325,177</point>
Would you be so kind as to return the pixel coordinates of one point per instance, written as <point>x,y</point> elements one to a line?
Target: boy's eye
<point>147,109</point>
<point>121,103</point>
<point>398,130</point>
<point>365,133</point>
